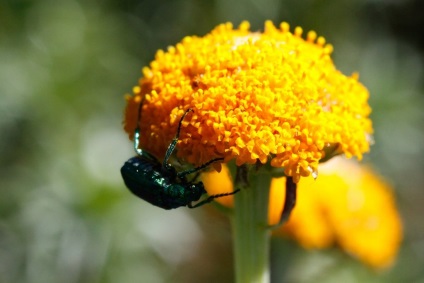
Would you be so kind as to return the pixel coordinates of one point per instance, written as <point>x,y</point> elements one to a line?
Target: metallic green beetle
<point>161,184</point>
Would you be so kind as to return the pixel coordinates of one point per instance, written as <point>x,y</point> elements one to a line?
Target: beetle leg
<point>138,150</point>
<point>211,198</point>
<point>197,169</point>
<point>173,144</point>
<point>195,177</point>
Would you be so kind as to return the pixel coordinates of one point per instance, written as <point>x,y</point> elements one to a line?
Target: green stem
<point>251,238</point>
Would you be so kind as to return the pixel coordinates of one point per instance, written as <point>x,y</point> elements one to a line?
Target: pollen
<point>268,96</point>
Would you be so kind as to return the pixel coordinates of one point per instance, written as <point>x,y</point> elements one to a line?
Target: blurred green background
<point>65,214</point>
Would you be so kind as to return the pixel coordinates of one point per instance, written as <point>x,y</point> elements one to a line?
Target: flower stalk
<point>251,236</point>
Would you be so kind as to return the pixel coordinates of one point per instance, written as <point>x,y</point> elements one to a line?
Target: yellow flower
<point>270,96</point>
<point>347,205</point>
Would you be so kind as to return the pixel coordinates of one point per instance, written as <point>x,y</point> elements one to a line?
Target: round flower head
<point>270,96</point>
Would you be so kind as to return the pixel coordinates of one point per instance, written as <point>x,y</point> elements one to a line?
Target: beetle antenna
<point>173,144</point>
<point>289,203</point>
<point>211,198</point>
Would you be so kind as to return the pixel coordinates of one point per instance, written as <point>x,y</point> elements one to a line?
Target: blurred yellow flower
<point>347,205</point>
<point>270,96</point>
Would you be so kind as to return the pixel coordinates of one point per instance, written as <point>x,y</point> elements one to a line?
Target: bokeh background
<point>65,215</point>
